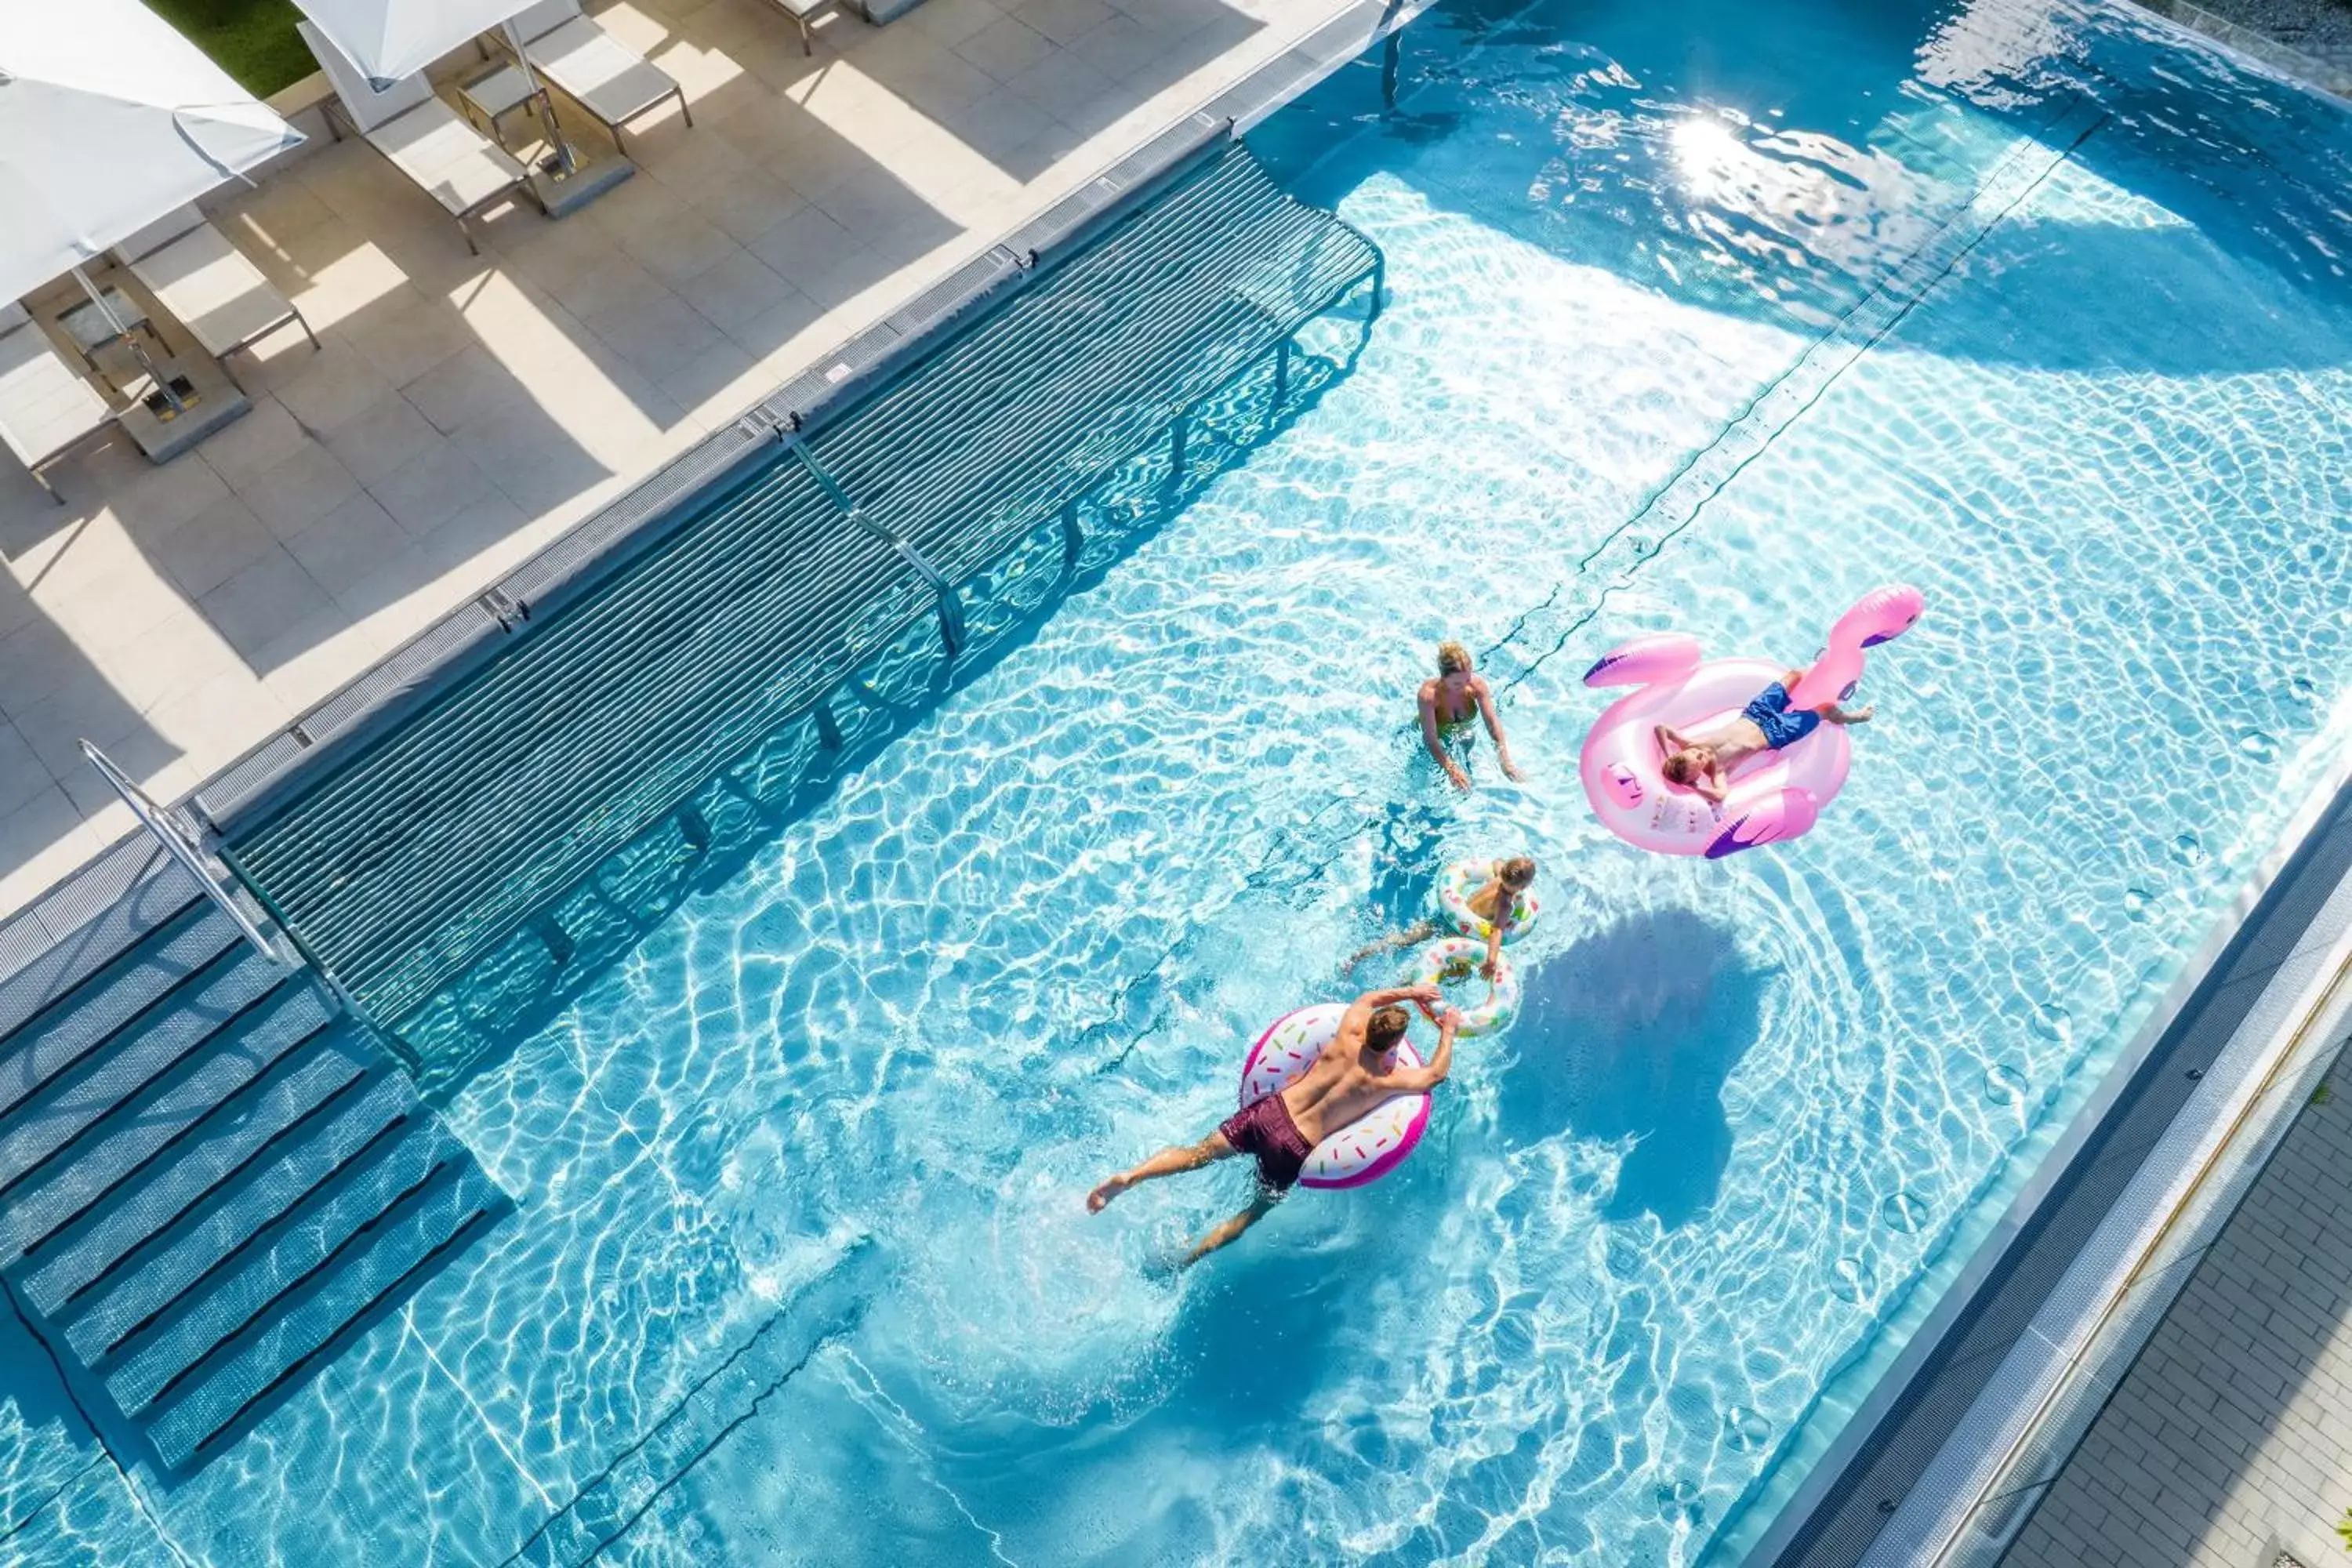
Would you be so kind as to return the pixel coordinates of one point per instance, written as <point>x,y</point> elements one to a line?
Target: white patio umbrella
<point>108,121</point>
<point>391,39</point>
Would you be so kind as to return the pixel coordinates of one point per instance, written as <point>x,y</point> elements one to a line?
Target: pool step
<point>71,1029</point>
<point>208,1176</point>
<point>130,1063</point>
<point>436,1216</point>
<point>229,1235</point>
<point>124,1134</point>
<point>252,1130</point>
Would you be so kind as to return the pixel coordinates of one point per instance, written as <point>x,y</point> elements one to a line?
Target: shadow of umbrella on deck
<point>1632,1032</point>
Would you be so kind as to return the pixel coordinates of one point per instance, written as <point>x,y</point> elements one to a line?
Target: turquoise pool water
<point>800,1272</point>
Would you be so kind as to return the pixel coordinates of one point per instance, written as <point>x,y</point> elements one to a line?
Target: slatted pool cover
<point>403,863</point>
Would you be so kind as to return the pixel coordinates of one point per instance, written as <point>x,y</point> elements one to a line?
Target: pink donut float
<point>1367,1148</point>
<point>1773,794</point>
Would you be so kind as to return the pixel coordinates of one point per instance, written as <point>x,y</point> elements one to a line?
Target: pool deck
<point>2230,1440</point>
<point>464,411</point>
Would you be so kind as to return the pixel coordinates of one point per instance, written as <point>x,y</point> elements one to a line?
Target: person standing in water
<point>1450,700</point>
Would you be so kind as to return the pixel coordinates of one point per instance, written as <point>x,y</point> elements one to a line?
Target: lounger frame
<point>340,111</point>
<point>15,320</point>
<point>556,19</point>
<point>139,252</point>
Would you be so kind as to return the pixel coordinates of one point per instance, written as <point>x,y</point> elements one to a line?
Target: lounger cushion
<point>543,18</point>
<point>157,235</point>
<point>456,163</point>
<point>611,81</point>
<point>216,292</point>
<point>45,408</point>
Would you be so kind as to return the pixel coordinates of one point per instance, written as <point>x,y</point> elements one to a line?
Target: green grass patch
<point>253,40</point>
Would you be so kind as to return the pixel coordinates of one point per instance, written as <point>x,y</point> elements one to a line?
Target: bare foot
<point>1104,1194</point>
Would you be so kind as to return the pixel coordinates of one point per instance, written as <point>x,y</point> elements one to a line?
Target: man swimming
<point>1347,1080</point>
<point>1450,700</point>
<point>1765,724</point>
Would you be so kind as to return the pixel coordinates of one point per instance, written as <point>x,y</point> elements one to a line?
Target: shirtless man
<point>1347,1080</point>
<point>1765,724</point>
<point>1450,700</point>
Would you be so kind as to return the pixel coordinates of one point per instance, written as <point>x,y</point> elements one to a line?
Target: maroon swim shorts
<point>1264,1128</point>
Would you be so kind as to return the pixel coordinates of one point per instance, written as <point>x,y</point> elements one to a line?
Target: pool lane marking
<point>1905,289</point>
<point>899,1427</point>
<point>408,1321</point>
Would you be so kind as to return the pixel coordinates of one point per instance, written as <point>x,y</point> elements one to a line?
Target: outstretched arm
<point>1232,1228</point>
<point>1495,728</point>
<point>1422,1079</point>
<point>1429,737</point>
<point>1837,715</point>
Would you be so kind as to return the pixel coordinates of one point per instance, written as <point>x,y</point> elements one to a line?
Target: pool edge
<point>2261,52</point>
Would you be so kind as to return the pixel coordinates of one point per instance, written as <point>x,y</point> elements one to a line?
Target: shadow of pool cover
<point>831,532</point>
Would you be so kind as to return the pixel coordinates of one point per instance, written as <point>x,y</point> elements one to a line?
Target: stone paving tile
<point>463,409</point>
<point>327,387</point>
<point>295,493</point>
<point>253,445</point>
<point>23,775</point>
<point>40,843</point>
<point>1005,47</point>
<point>737,288</point>
<point>382,438</point>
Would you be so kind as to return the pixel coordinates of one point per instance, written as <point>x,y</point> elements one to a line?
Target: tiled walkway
<point>465,410</point>
<point>2230,1438</point>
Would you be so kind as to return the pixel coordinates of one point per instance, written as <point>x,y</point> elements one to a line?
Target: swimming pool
<point>801,1273</point>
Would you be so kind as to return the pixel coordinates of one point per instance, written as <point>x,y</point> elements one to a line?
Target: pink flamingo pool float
<point>1773,796</point>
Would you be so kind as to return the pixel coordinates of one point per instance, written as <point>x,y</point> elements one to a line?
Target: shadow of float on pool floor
<point>1632,1032</point>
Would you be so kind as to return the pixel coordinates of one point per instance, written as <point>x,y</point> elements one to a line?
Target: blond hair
<point>1452,657</point>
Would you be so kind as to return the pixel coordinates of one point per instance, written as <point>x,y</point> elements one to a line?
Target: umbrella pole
<point>565,159</point>
<point>138,350</point>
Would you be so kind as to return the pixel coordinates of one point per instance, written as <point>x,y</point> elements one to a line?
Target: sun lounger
<point>424,138</point>
<point>46,407</point>
<point>207,284</point>
<point>803,12</point>
<point>603,75</point>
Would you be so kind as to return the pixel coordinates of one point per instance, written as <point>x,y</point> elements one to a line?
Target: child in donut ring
<point>1495,902</point>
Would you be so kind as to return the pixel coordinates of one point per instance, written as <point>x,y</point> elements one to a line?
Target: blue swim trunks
<point>1769,711</point>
